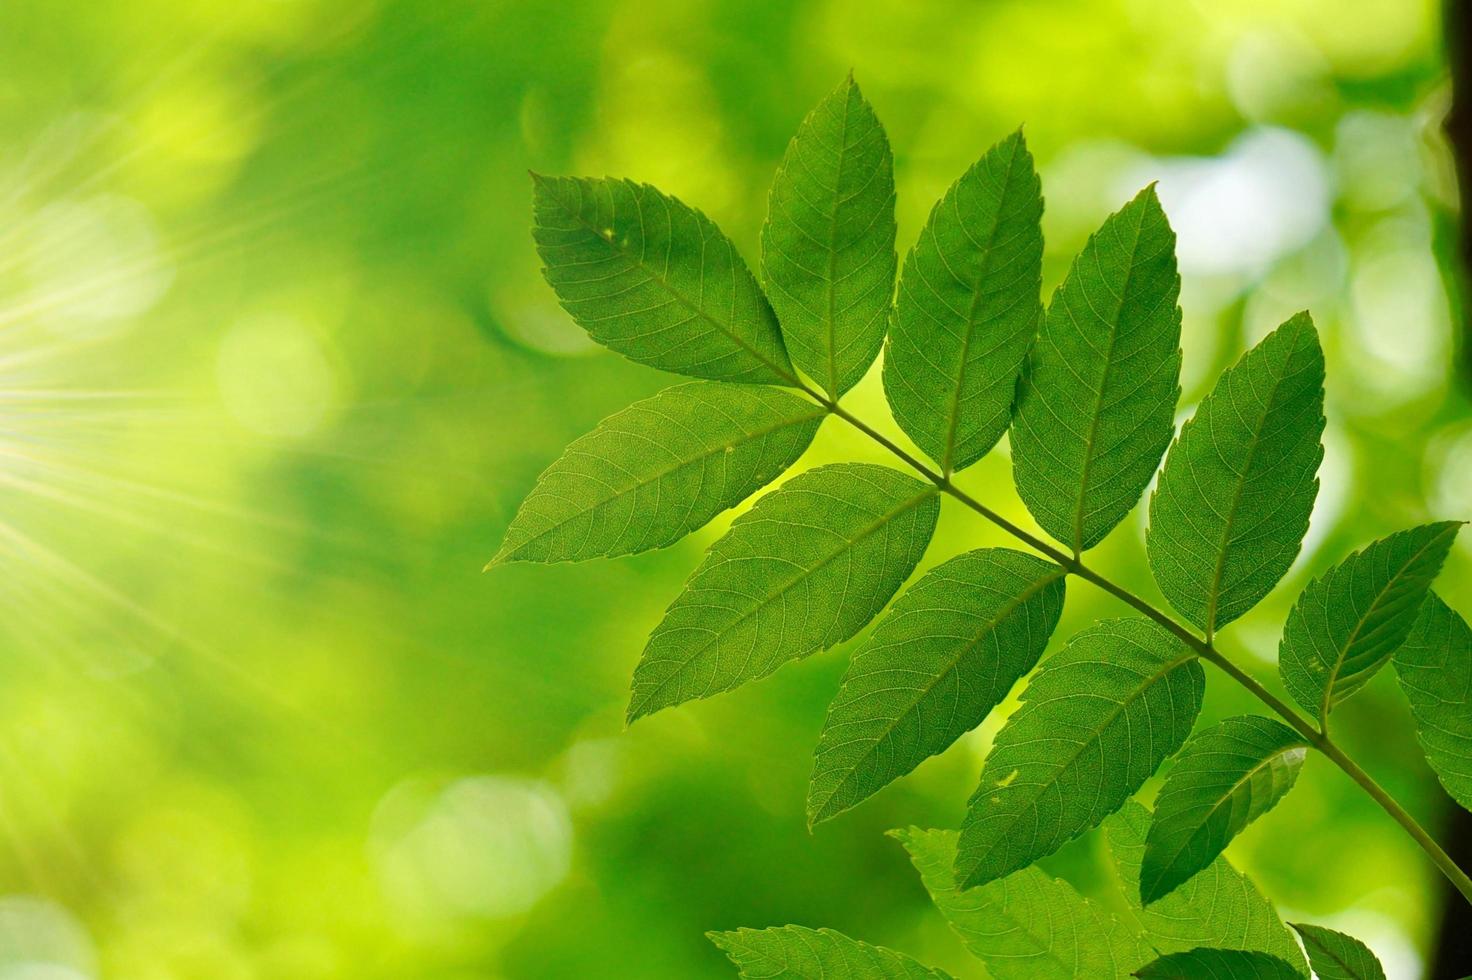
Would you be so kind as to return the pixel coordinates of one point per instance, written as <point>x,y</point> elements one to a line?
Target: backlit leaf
<point>1096,721</point>
<point>796,953</point>
<point>807,567</point>
<point>1435,669</point>
<point>1219,906</point>
<point>1028,925</point>
<point>655,280</point>
<point>1219,964</point>
<point>1335,956</point>
<point>968,308</point>
<point>1097,400</point>
<point>1346,625</point>
<point>936,665</point>
<point>649,475</point>
<point>1226,777</point>
<point>1234,498</point>
<point>828,244</point>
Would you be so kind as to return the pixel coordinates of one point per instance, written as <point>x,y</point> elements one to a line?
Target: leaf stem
<point>1204,648</point>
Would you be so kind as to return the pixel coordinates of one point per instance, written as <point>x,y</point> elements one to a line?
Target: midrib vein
<point>1140,690</point>
<point>832,286</point>
<point>1011,606</point>
<point>954,421</point>
<point>1083,483</point>
<point>1221,800</point>
<point>847,545</point>
<point>637,484</point>
<point>1231,516</point>
<point>680,297</point>
<point>1343,651</point>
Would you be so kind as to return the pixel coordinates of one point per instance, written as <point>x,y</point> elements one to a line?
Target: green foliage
<point>1217,907</point>
<point>1028,925</point>
<point>1335,956</point>
<point>1089,391</point>
<point>661,468</point>
<point>795,953</point>
<point>1226,777</point>
<point>828,258</point>
<point>655,280</point>
<point>1206,963</point>
<point>1348,623</point>
<point>1096,721</point>
<point>1435,669</point>
<point>1236,491</point>
<point>968,309</point>
<point>944,657</point>
<point>1096,406</point>
<point>806,568</point>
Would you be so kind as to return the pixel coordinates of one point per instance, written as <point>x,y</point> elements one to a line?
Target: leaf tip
<point>820,812</point>
<point>1152,891</point>
<point>967,873</point>
<point>505,555</point>
<point>1448,530</point>
<point>638,709</point>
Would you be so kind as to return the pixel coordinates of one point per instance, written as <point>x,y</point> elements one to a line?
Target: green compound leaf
<point>1096,721</point>
<point>1346,625</point>
<point>796,953</point>
<point>1435,670</point>
<point>944,657</point>
<point>1027,926</point>
<point>968,309</point>
<point>1233,502</point>
<point>1097,401</point>
<point>1335,956</point>
<point>1226,777</point>
<point>661,468</point>
<point>1219,964</point>
<point>828,244</point>
<point>655,280</point>
<point>807,567</point>
<point>1219,906</point>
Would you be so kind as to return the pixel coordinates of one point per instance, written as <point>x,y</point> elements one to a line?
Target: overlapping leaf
<point>1096,404</point>
<point>655,280</point>
<point>1335,956</point>
<point>968,308</point>
<point>1096,721</point>
<point>649,475</point>
<point>1346,625</point>
<point>828,244</point>
<point>1219,906</point>
<point>944,657</point>
<point>796,953</point>
<point>1208,963</point>
<point>1434,665</point>
<point>807,567</point>
<point>1226,777</point>
<point>1027,926</point>
<point>1233,502</point>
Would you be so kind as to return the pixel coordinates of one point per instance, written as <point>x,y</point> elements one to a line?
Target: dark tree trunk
<point>1452,958</point>
<point>1457,23</point>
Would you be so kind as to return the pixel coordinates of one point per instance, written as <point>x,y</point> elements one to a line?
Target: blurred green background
<point>276,366</point>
